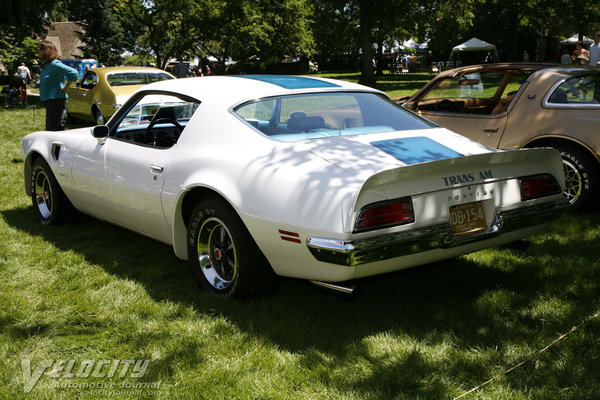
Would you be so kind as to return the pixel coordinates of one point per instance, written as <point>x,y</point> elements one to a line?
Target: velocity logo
<point>98,369</point>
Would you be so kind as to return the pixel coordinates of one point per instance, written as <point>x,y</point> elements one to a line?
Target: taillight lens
<point>385,214</point>
<point>533,187</point>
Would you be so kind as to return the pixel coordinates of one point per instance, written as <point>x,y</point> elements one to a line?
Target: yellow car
<point>101,91</point>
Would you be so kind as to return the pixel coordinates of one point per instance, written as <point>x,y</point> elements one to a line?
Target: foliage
<point>21,23</point>
<point>102,33</point>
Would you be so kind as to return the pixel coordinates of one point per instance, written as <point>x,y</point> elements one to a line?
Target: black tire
<point>49,201</point>
<point>222,255</point>
<point>581,175</point>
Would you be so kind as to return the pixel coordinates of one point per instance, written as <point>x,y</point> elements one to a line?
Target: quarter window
<point>580,90</point>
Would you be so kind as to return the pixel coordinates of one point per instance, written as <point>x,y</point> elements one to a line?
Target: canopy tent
<point>473,44</point>
<point>575,38</point>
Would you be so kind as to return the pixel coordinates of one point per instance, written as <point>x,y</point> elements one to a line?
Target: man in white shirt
<point>24,73</point>
<point>595,51</point>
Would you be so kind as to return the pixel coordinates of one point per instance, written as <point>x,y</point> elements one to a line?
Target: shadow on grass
<point>459,303</point>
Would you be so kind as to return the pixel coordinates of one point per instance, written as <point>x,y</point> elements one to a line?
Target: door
<point>120,178</point>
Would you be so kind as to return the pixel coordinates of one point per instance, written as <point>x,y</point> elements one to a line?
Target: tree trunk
<point>367,76</point>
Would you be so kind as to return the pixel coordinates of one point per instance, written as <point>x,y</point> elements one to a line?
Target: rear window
<point>136,78</point>
<point>580,91</point>
<point>318,115</point>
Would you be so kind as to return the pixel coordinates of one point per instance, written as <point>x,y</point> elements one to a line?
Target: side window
<point>581,90</point>
<point>89,80</point>
<point>485,92</point>
<point>155,120</point>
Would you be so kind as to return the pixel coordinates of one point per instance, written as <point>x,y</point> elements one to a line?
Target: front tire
<point>581,176</point>
<point>49,201</point>
<point>222,255</point>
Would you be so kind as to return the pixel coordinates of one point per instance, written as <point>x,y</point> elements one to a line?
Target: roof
<point>575,38</point>
<point>236,88</point>
<point>556,68</point>
<point>107,70</point>
<point>64,36</point>
<point>474,44</point>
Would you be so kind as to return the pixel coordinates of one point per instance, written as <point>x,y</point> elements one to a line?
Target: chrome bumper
<point>355,252</point>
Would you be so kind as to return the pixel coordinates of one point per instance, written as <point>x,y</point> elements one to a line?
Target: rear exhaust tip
<point>337,288</point>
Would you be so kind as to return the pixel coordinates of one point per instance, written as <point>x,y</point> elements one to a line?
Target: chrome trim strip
<point>356,252</point>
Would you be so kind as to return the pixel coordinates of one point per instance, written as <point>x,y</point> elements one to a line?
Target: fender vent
<point>56,150</point>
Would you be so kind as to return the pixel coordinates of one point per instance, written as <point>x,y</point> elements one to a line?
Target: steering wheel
<point>164,121</point>
<point>447,105</point>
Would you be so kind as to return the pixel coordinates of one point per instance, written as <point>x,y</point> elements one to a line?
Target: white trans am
<point>252,177</point>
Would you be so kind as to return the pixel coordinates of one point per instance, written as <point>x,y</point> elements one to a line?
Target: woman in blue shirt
<point>55,78</point>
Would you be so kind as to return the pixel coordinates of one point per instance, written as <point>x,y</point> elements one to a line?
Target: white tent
<point>473,44</point>
<point>575,38</point>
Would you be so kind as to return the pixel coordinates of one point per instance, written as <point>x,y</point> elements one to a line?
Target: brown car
<point>516,105</point>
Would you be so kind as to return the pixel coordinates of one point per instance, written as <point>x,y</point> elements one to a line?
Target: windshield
<point>317,115</point>
<point>136,78</point>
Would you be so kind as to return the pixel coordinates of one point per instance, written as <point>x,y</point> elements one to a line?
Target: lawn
<point>127,320</point>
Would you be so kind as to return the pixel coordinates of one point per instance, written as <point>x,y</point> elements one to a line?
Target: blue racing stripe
<point>415,150</point>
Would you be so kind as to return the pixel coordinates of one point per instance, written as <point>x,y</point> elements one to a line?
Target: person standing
<point>24,73</point>
<point>55,78</point>
<point>595,51</point>
<point>580,56</point>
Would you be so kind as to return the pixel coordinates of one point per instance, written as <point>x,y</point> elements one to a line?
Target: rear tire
<point>581,176</point>
<point>49,201</point>
<point>99,117</point>
<point>222,255</point>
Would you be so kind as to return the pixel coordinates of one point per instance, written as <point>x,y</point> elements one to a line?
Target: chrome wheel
<point>49,202</point>
<point>573,180</point>
<point>222,254</point>
<point>100,120</point>
<point>217,254</point>
<point>43,194</point>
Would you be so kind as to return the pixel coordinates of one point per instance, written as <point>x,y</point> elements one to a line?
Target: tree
<point>21,23</point>
<point>102,32</point>
<point>163,28</point>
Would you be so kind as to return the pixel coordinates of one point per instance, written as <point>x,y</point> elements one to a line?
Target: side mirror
<point>100,132</point>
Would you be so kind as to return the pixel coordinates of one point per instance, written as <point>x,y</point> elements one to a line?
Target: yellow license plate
<point>467,218</point>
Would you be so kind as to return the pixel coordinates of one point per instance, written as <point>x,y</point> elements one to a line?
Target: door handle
<point>156,169</point>
<point>490,129</point>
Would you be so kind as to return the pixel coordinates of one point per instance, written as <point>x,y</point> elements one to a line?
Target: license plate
<point>467,218</point>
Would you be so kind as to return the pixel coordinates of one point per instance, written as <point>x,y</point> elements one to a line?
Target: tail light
<point>385,214</point>
<point>533,187</point>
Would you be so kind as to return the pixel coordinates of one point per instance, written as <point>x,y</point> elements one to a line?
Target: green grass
<point>91,291</point>
<point>394,85</point>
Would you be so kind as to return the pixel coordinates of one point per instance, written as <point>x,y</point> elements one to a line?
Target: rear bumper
<point>356,252</point>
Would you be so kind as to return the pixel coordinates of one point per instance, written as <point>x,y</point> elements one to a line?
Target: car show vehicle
<point>522,105</point>
<point>101,91</point>
<point>251,177</point>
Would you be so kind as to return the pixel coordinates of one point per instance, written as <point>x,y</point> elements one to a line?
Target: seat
<point>502,104</point>
<point>559,96</point>
<point>299,121</point>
